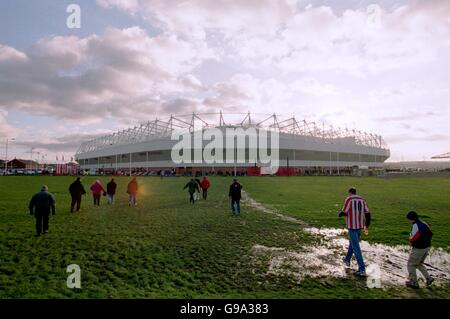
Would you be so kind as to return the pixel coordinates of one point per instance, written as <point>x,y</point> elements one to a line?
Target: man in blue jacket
<point>420,240</point>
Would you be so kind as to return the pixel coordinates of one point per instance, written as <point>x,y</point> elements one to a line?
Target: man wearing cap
<point>420,240</point>
<point>40,205</point>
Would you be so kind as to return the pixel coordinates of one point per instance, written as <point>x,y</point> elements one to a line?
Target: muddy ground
<point>385,265</point>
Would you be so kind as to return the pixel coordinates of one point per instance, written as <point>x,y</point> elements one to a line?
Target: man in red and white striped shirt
<point>357,218</point>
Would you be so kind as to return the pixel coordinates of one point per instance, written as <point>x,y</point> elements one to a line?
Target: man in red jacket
<point>132,192</point>
<point>204,184</point>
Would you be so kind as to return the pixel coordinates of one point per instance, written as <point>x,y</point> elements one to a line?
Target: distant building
<point>304,146</point>
<point>70,168</point>
<point>22,164</point>
<point>427,166</point>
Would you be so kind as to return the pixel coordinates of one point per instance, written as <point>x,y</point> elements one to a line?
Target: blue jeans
<point>110,199</point>
<point>132,199</point>
<point>354,236</point>
<point>238,205</point>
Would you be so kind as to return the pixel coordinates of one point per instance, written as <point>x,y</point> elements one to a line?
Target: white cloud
<point>6,130</point>
<point>98,76</point>
<point>296,38</point>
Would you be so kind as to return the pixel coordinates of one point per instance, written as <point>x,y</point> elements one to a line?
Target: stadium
<point>305,147</point>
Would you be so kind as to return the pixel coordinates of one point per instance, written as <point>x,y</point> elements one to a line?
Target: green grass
<point>317,200</point>
<point>167,248</point>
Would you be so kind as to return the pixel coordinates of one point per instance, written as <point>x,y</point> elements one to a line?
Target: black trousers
<point>191,198</point>
<point>76,200</point>
<point>41,222</point>
<point>97,199</point>
<point>205,193</point>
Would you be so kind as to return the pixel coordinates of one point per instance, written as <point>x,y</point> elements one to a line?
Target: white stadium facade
<point>304,146</point>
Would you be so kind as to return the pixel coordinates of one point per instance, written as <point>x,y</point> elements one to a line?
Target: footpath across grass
<point>167,248</point>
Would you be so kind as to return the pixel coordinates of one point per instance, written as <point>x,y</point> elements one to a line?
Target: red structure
<point>70,168</point>
<point>254,171</point>
<point>287,171</point>
<point>22,164</point>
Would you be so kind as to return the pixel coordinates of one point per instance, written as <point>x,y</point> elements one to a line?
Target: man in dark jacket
<point>76,190</point>
<point>192,187</point>
<point>420,240</point>
<point>235,196</point>
<point>40,205</point>
<point>111,191</point>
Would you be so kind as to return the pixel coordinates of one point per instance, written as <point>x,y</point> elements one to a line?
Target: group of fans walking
<point>355,210</point>
<point>76,190</point>
<point>358,220</point>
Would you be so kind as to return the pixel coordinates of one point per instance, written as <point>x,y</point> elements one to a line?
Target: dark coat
<point>192,186</point>
<point>76,189</point>
<point>41,203</point>
<point>111,188</point>
<point>235,191</point>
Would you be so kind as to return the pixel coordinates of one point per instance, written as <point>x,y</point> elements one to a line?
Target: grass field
<point>317,199</point>
<point>167,248</point>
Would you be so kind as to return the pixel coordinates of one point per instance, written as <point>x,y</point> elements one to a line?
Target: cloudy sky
<point>379,66</point>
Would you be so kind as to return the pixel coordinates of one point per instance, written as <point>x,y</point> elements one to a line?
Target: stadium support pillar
<point>147,161</point>
<point>293,156</point>
<point>235,160</point>
<point>331,172</point>
<point>338,163</point>
<point>130,163</point>
<point>116,164</point>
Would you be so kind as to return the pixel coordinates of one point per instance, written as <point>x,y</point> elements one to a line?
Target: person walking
<point>192,187</point>
<point>358,218</point>
<point>40,206</point>
<point>420,240</point>
<point>111,191</point>
<point>76,190</point>
<point>235,196</point>
<point>204,185</point>
<point>132,190</point>
<point>97,192</point>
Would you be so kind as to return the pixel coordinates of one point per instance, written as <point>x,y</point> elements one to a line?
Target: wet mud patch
<point>385,265</point>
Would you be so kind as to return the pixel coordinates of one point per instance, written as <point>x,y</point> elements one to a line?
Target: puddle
<point>385,265</point>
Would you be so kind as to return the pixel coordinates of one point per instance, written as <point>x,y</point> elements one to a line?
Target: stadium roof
<point>164,128</point>
<point>445,155</point>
